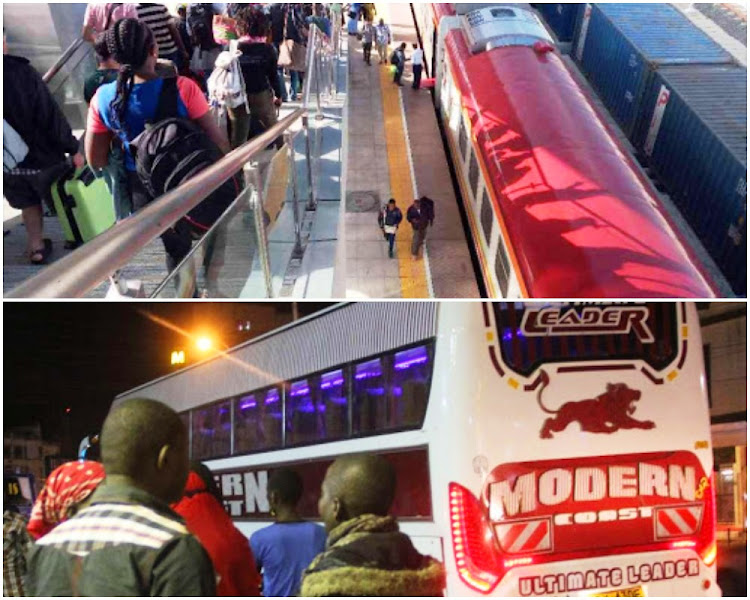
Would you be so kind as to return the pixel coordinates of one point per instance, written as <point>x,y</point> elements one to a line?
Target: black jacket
<point>127,543</point>
<point>30,109</point>
<point>258,63</point>
<point>369,556</point>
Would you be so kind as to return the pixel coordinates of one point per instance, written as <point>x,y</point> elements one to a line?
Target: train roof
<point>579,217</point>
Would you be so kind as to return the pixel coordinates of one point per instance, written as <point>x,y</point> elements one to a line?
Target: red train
<point>556,205</point>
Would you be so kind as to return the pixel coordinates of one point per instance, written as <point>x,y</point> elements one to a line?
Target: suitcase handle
<point>69,203</point>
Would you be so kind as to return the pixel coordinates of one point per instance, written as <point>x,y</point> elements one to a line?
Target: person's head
<point>284,490</point>
<point>252,22</point>
<point>417,202</point>
<point>415,46</point>
<point>392,204</point>
<point>67,490</point>
<point>132,45</point>
<point>182,12</point>
<point>356,485</point>
<point>207,477</point>
<point>382,22</point>
<point>146,442</point>
<point>403,46</point>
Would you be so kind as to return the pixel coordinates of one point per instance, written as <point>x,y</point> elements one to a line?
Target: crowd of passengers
<point>138,47</point>
<point>144,521</point>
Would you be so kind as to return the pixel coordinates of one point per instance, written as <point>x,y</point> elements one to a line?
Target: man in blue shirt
<point>285,549</point>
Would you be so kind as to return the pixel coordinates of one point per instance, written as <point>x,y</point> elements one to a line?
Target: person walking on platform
<point>123,108</point>
<point>99,17</point>
<point>263,85</point>
<point>168,38</point>
<point>419,218</point>
<point>368,37</point>
<point>128,542</point>
<point>205,517</point>
<point>417,65</point>
<point>398,60</point>
<point>366,554</point>
<point>285,549</point>
<point>390,219</point>
<point>114,174</point>
<point>42,138</point>
<point>383,40</point>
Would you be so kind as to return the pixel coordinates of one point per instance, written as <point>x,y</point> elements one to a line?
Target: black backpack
<point>427,206</point>
<point>172,150</point>
<point>394,59</point>
<point>200,19</point>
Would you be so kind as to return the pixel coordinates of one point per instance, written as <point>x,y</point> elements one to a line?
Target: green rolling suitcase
<point>84,206</point>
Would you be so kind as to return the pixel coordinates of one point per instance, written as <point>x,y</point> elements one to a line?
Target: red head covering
<point>67,485</point>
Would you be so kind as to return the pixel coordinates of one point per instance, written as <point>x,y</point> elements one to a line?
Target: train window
<point>487,217</point>
<point>333,397</point>
<point>304,412</point>
<point>502,269</point>
<point>410,386</point>
<point>257,421</point>
<point>370,407</point>
<point>462,139</point>
<point>212,431</point>
<point>474,174</point>
<point>503,13</point>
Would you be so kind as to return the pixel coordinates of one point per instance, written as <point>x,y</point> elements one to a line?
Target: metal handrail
<point>81,271</point>
<point>60,62</point>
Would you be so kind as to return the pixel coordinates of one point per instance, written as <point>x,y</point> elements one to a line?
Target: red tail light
<point>478,559</point>
<point>709,555</point>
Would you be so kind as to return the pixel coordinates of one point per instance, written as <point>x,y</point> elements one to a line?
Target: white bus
<point>541,449</point>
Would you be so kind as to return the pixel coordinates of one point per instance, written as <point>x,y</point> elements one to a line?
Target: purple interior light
<point>272,397</point>
<point>338,400</point>
<point>300,392</point>
<point>410,358</point>
<point>248,404</point>
<point>223,411</point>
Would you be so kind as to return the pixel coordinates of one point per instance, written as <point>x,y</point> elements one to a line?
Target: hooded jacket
<point>369,556</point>
<point>30,109</point>
<point>229,550</point>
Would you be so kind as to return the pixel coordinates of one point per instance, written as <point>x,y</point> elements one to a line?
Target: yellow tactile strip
<point>412,274</point>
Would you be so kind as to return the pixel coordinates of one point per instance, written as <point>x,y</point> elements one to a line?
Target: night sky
<point>81,355</point>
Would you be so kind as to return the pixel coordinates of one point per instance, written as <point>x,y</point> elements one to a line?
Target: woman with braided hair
<point>123,108</point>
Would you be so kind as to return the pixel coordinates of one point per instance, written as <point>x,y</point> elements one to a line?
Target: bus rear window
<point>533,335</point>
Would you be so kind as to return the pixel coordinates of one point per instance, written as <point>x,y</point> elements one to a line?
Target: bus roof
<point>294,351</point>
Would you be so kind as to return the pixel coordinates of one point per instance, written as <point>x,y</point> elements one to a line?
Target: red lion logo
<point>607,413</point>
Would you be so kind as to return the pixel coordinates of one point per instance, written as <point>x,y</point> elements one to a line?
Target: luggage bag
<point>83,204</point>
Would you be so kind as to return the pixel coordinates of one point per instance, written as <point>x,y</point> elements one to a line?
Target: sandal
<point>41,256</point>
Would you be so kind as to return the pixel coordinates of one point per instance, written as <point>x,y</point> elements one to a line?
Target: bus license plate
<point>635,592</point>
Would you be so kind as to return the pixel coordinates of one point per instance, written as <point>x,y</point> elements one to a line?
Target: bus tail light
<point>709,555</point>
<point>477,556</point>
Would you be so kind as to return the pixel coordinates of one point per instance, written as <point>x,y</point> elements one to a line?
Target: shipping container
<point>693,134</point>
<point>561,18</point>
<point>620,46</point>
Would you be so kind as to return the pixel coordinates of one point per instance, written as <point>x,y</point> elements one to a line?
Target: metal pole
<point>311,203</point>
<point>256,204</point>
<point>289,140</point>
<point>319,114</point>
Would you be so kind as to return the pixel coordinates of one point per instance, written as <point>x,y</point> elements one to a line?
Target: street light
<point>204,344</point>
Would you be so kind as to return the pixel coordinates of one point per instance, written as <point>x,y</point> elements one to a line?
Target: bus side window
<point>303,414</point>
<point>370,408</point>
<point>212,431</point>
<point>334,405</point>
<point>410,384</point>
<point>257,421</point>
